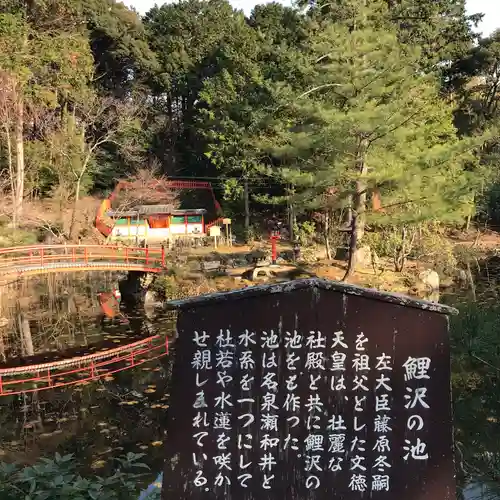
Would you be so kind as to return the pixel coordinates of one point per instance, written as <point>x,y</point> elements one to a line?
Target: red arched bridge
<point>81,369</point>
<point>40,259</point>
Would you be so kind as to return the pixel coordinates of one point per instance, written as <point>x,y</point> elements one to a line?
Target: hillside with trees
<point>321,109</point>
<point>357,123</point>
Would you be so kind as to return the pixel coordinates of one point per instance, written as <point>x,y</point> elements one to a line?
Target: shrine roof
<point>154,210</point>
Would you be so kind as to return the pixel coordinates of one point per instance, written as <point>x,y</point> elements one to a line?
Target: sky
<point>490,8</point>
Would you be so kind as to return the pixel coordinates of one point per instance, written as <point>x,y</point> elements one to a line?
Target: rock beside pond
<point>429,279</point>
<point>461,277</point>
<point>262,273</point>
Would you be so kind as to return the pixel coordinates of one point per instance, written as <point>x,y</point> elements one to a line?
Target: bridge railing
<point>82,369</point>
<point>48,255</point>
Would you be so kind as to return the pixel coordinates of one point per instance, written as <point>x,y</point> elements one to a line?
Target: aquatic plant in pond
<point>56,478</point>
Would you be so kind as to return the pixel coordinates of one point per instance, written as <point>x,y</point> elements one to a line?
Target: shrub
<point>16,237</point>
<point>53,479</point>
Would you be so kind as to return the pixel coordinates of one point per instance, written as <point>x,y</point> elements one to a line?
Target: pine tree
<point>371,121</point>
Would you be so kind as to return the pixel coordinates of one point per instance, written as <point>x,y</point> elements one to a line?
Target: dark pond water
<point>48,317</point>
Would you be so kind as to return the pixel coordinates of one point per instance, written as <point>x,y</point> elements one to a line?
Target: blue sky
<point>491,9</point>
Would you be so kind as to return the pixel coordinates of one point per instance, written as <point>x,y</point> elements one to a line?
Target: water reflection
<point>476,378</point>
<point>50,317</point>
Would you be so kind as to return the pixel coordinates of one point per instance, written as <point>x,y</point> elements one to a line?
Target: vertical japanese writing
<point>416,375</point>
<point>382,424</point>
<point>291,405</point>
<point>336,423</point>
<point>245,405</point>
<point>269,408</point>
<point>223,407</point>
<point>201,363</point>
<point>246,419</point>
<point>361,368</point>
<point>314,444</point>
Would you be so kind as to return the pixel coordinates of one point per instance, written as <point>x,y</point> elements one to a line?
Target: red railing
<point>216,222</point>
<point>19,259</point>
<point>89,367</point>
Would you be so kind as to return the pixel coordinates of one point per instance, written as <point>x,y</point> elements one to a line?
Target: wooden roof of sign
<point>318,283</point>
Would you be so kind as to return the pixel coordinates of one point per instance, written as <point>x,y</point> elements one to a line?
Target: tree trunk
<point>9,163</point>
<point>247,210</point>
<point>78,185</point>
<point>348,213</point>
<point>359,208</point>
<point>353,247</point>
<point>291,215</point>
<point>327,236</point>
<point>19,138</point>
<point>75,206</point>
<point>470,278</point>
<point>27,340</point>
<point>401,253</point>
<point>467,222</point>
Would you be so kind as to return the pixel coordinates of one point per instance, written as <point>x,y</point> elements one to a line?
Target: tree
<point>123,58</point>
<point>236,101</point>
<point>43,69</point>
<point>372,122</point>
<point>440,28</point>
<point>95,123</point>
<point>474,83</point>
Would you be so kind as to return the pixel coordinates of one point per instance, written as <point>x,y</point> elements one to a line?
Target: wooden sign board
<point>214,231</point>
<point>226,221</point>
<point>310,390</point>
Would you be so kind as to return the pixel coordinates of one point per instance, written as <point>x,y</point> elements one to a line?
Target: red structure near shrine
<point>147,217</point>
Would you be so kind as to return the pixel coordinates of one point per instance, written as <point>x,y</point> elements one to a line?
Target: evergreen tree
<point>371,121</point>
<point>441,28</point>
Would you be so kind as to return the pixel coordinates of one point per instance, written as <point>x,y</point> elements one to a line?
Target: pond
<point>45,317</point>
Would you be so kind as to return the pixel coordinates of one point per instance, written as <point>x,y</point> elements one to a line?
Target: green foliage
<point>18,237</point>
<point>58,479</point>
<point>234,97</point>
<point>305,232</point>
<point>436,250</point>
<point>365,88</point>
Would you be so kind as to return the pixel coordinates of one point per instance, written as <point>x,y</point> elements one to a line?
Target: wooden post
<point>162,255</point>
